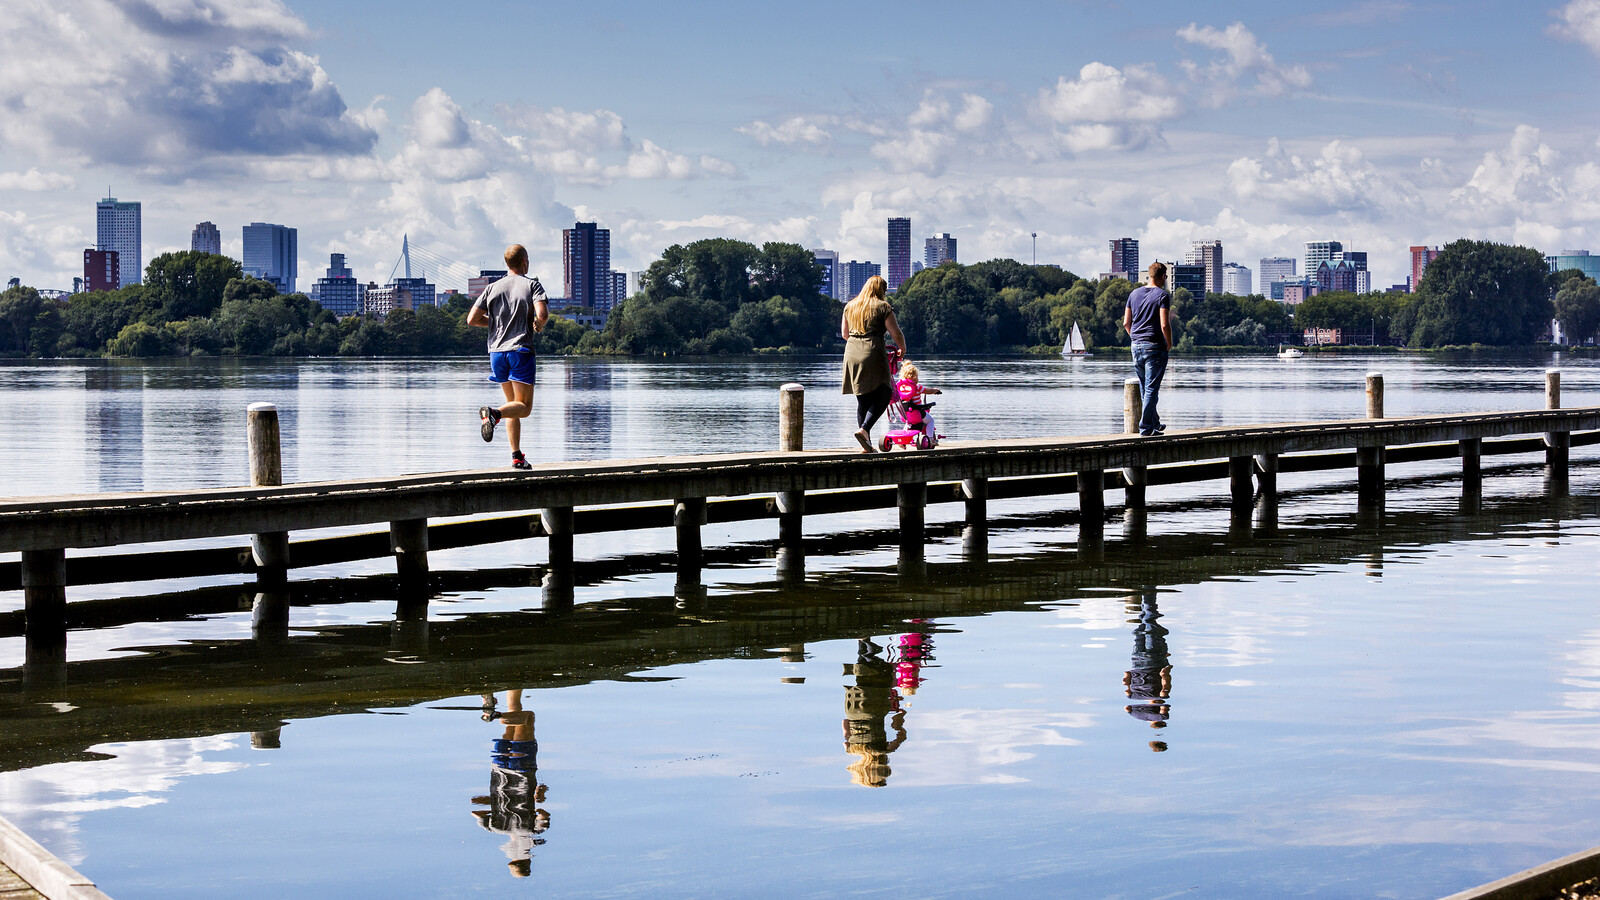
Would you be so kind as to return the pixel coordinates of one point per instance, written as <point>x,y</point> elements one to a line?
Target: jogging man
<point>515,310</point>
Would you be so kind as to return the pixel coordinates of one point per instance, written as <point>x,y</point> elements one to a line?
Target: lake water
<point>1401,705</point>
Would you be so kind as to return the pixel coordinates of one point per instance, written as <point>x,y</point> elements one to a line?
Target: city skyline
<point>1385,125</point>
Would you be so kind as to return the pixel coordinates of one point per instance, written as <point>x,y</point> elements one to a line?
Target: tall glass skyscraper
<point>586,265</point>
<point>206,238</point>
<point>117,228</point>
<point>1125,258</point>
<point>899,252</point>
<point>270,253</point>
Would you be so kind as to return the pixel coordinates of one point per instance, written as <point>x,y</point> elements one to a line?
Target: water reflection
<point>514,789</point>
<point>588,410</point>
<point>1148,681</point>
<point>113,426</point>
<point>875,705</point>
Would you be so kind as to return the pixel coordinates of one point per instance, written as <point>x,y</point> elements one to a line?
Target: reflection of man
<point>865,704</point>
<point>1149,682</point>
<point>514,788</point>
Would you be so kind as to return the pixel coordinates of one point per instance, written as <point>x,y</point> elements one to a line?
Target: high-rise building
<point>1339,275</point>
<point>479,283</point>
<point>853,277</point>
<point>829,261</point>
<point>635,282</point>
<point>619,287</point>
<point>1275,269</point>
<point>101,270</point>
<point>1236,280</point>
<point>421,292</point>
<point>938,250</point>
<point>271,254</point>
<point>586,265</point>
<point>338,291</point>
<point>899,252</point>
<point>1319,252</point>
<point>1190,277</point>
<point>206,239</point>
<point>1420,257</point>
<point>1208,254</point>
<point>117,227</point>
<point>1125,257</point>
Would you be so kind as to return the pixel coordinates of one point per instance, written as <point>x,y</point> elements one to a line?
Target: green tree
<point>1477,292</point>
<point>19,309</point>
<point>141,339</point>
<point>189,283</point>
<point>1577,308</point>
<point>91,320</point>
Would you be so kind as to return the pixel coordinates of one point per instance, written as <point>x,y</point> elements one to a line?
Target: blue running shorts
<point>511,365</point>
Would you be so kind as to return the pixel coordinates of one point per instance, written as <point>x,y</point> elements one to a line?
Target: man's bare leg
<point>519,402</point>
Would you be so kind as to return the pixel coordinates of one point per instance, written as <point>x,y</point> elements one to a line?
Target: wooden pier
<point>557,501</point>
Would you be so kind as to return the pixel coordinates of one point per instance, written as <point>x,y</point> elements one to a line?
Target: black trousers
<point>871,405</point>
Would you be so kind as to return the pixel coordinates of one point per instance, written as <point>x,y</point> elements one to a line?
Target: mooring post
<point>1556,443</point>
<point>408,541</point>
<point>1267,474</point>
<point>688,514</point>
<point>1369,459</point>
<point>270,550</point>
<point>44,590</point>
<point>1092,500</point>
<point>1134,477</point>
<point>791,436</point>
<point>1241,485</point>
<point>911,498</point>
<point>557,522</point>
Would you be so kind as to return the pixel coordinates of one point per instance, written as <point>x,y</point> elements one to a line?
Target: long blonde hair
<point>855,312</point>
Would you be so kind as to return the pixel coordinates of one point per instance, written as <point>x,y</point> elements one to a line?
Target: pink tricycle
<point>912,424</point>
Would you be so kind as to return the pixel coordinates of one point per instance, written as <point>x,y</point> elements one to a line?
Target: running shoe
<point>518,461</point>
<point>487,415</point>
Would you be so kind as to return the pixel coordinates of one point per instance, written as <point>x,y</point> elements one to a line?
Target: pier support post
<point>269,617</point>
<point>1369,460</point>
<point>975,531</point>
<point>1241,484</point>
<point>1267,474</point>
<point>1471,464</point>
<point>408,541</point>
<point>1557,444</point>
<point>1092,500</point>
<point>558,524</point>
<point>791,437</point>
<point>688,514</point>
<point>44,590</point>
<point>912,498</point>
<point>1134,477</point>
<point>269,550</point>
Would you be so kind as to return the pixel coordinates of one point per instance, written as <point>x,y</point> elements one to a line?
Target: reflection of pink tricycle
<point>908,410</point>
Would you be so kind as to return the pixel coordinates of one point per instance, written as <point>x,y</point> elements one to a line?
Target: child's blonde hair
<point>908,372</point>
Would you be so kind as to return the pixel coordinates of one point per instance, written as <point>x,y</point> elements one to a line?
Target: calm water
<point>1350,706</point>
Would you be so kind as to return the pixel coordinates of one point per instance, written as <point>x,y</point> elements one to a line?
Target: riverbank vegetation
<point>721,296</point>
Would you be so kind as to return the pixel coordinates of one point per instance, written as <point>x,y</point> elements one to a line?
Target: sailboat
<point>1074,345</point>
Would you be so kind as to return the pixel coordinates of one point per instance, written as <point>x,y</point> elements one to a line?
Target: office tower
<point>635,282</point>
<point>420,291</point>
<point>1189,276</point>
<point>479,283</point>
<point>1338,275</point>
<point>1421,256</point>
<point>1125,258</point>
<point>1275,269</point>
<point>338,291</point>
<point>937,250</point>
<point>899,252</point>
<point>619,287</point>
<point>586,265</point>
<point>1208,254</point>
<point>1236,280</point>
<point>206,239</point>
<point>853,276</point>
<point>117,227</point>
<point>270,253</point>
<point>101,270</point>
<point>1319,252</point>
<point>829,261</point>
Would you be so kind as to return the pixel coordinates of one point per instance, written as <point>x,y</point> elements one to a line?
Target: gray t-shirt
<point>509,304</point>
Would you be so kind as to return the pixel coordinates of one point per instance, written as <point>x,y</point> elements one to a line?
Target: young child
<point>910,391</point>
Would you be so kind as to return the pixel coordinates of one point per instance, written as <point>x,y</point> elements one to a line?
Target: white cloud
<point>1338,179</point>
<point>1522,172</point>
<point>35,180</point>
<point>1580,21</point>
<point>793,130</point>
<point>557,129</point>
<point>1106,108</point>
<point>1245,56</point>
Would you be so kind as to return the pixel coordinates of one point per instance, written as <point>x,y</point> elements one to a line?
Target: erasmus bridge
<point>418,262</point>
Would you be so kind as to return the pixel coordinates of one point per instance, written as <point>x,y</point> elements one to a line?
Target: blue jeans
<point>1150,361</point>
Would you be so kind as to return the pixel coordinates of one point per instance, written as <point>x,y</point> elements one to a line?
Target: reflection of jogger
<point>1149,682</point>
<point>872,697</point>
<point>514,789</point>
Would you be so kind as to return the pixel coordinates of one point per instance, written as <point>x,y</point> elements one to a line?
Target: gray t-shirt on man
<point>509,304</point>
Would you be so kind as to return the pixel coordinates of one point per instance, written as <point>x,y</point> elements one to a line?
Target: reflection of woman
<point>866,366</point>
<point>916,650</point>
<point>514,789</point>
<point>1149,682</point>
<point>865,704</point>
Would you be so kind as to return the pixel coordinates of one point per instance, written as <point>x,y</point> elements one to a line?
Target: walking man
<point>1147,320</point>
<point>514,309</point>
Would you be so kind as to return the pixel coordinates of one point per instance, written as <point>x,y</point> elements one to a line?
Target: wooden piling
<point>408,541</point>
<point>1266,465</point>
<point>1092,499</point>
<point>271,549</point>
<point>1134,478</point>
<point>911,498</point>
<point>1369,460</point>
<point>1557,444</point>
<point>1374,395</point>
<point>791,437</point>
<point>1471,450</point>
<point>44,590</point>
<point>1241,486</point>
<point>975,492</point>
<point>688,514</point>
<point>557,523</point>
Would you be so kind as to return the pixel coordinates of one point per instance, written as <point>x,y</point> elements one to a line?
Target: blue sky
<point>1264,125</point>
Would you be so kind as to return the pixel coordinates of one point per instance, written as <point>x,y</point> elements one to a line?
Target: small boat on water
<point>1074,346</point>
<point>1289,352</point>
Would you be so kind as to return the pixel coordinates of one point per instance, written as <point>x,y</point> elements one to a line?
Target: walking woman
<point>866,367</point>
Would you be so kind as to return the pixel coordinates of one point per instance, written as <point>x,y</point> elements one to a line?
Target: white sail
<point>1075,340</point>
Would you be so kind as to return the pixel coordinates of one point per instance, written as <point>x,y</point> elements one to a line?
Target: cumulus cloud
<point>1523,172</point>
<point>938,128</point>
<point>1338,179</point>
<point>167,83</point>
<point>1245,57</point>
<point>793,130</point>
<point>35,180</point>
<point>1106,108</point>
<point>1579,21</point>
<point>558,129</point>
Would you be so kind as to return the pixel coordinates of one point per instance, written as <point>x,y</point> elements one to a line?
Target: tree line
<point>721,296</point>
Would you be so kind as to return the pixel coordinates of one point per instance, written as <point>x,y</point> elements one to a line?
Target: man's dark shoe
<point>487,415</point>
<point>518,461</point>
